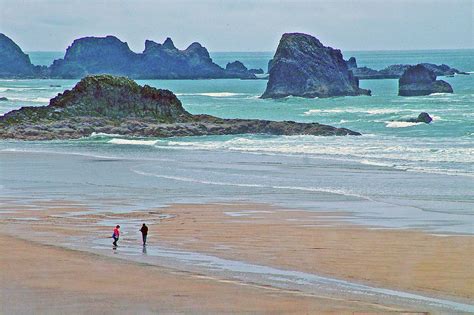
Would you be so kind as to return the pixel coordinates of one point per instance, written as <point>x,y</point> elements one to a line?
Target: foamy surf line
<point>281,278</point>
<point>132,142</point>
<point>33,100</point>
<point>205,182</point>
<point>87,155</point>
<point>402,124</point>
<point>373,111</point>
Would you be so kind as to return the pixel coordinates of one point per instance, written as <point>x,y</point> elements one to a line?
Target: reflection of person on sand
<point>116,235</point>
<point>144,231</point>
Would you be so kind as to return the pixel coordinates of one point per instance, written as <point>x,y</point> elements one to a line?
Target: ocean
<point>396,175</point>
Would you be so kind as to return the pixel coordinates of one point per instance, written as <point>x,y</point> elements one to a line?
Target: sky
<point>242,25</point>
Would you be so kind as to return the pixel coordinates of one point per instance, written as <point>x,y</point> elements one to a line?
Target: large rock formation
<point>418,80</point>
<point>165,61</point>
<point>98,55</point>
<point>14,63</point>
<point>118,105</point>
<point>90,55</point>
<point>396,71</point>
<point>302,66</point>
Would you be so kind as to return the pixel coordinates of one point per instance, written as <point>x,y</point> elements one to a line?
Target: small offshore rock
<point>419,80</point>
<point>422,118</point>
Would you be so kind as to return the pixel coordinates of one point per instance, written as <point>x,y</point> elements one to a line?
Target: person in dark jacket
<point>144,231</point>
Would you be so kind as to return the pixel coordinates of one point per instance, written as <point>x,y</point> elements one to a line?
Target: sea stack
<point>419,80</point>
<point>303,66</point>
<point>14,63</point>
<point>93,55</point>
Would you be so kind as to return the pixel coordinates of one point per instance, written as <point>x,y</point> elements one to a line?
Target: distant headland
<point>109,55</point>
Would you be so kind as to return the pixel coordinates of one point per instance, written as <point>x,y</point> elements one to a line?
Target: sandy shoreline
<point>43,279</point>
<point>409,261</point>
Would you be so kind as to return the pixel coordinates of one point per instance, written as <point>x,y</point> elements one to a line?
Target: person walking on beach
<point>116,235</point>
<point>144,231</point>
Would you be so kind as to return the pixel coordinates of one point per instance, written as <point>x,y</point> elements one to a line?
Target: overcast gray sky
<point>242,25</point>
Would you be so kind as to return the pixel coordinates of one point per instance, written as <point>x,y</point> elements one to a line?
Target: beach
<point>44,279</point>
<point>377,223</point>
<point>67,254</point>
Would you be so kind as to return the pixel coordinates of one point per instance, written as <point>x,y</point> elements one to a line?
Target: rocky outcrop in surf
<point>418,80</point>
<point>15,64</point>
<point>396,71</point>
<point>423,117</point>
<point>118,105</point>
<point>303,66</point>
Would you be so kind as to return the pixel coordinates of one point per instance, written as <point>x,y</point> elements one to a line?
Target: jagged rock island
<point>97,55</point>
<point>117,105</point>
<point>419,80</point>
<point>303,66</point>
<point>14,63</point>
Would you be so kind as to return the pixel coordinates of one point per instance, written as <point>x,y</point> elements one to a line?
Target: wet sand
<point>317,243</point>
<point>43,279</point>
<point>49,279</point>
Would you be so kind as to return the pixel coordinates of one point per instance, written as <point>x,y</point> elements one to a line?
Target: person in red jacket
<point>116,235</point>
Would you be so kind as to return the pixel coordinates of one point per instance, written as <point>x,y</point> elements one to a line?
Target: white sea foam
<point>245,213</point>
<point>102,134</point>
<point>401,124</point>
<point>318,111</point>
<point>217,183</point>
<point>441,94</point>
<point>388,152</point>
<point>132,141</point>
<point>86,154</point>
<point>33,99</point>
<point>220,94</point>
<point>374,111</point>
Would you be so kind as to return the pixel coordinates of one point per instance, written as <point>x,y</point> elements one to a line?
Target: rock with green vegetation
<point>118,105</point>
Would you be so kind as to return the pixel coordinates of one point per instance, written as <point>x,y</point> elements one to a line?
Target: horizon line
<point>271,51</point>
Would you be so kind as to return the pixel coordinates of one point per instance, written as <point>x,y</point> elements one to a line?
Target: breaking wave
<point>402,124</point>
<point>132,142</point>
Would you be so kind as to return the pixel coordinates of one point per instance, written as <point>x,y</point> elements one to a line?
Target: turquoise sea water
<point>397,174</point>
